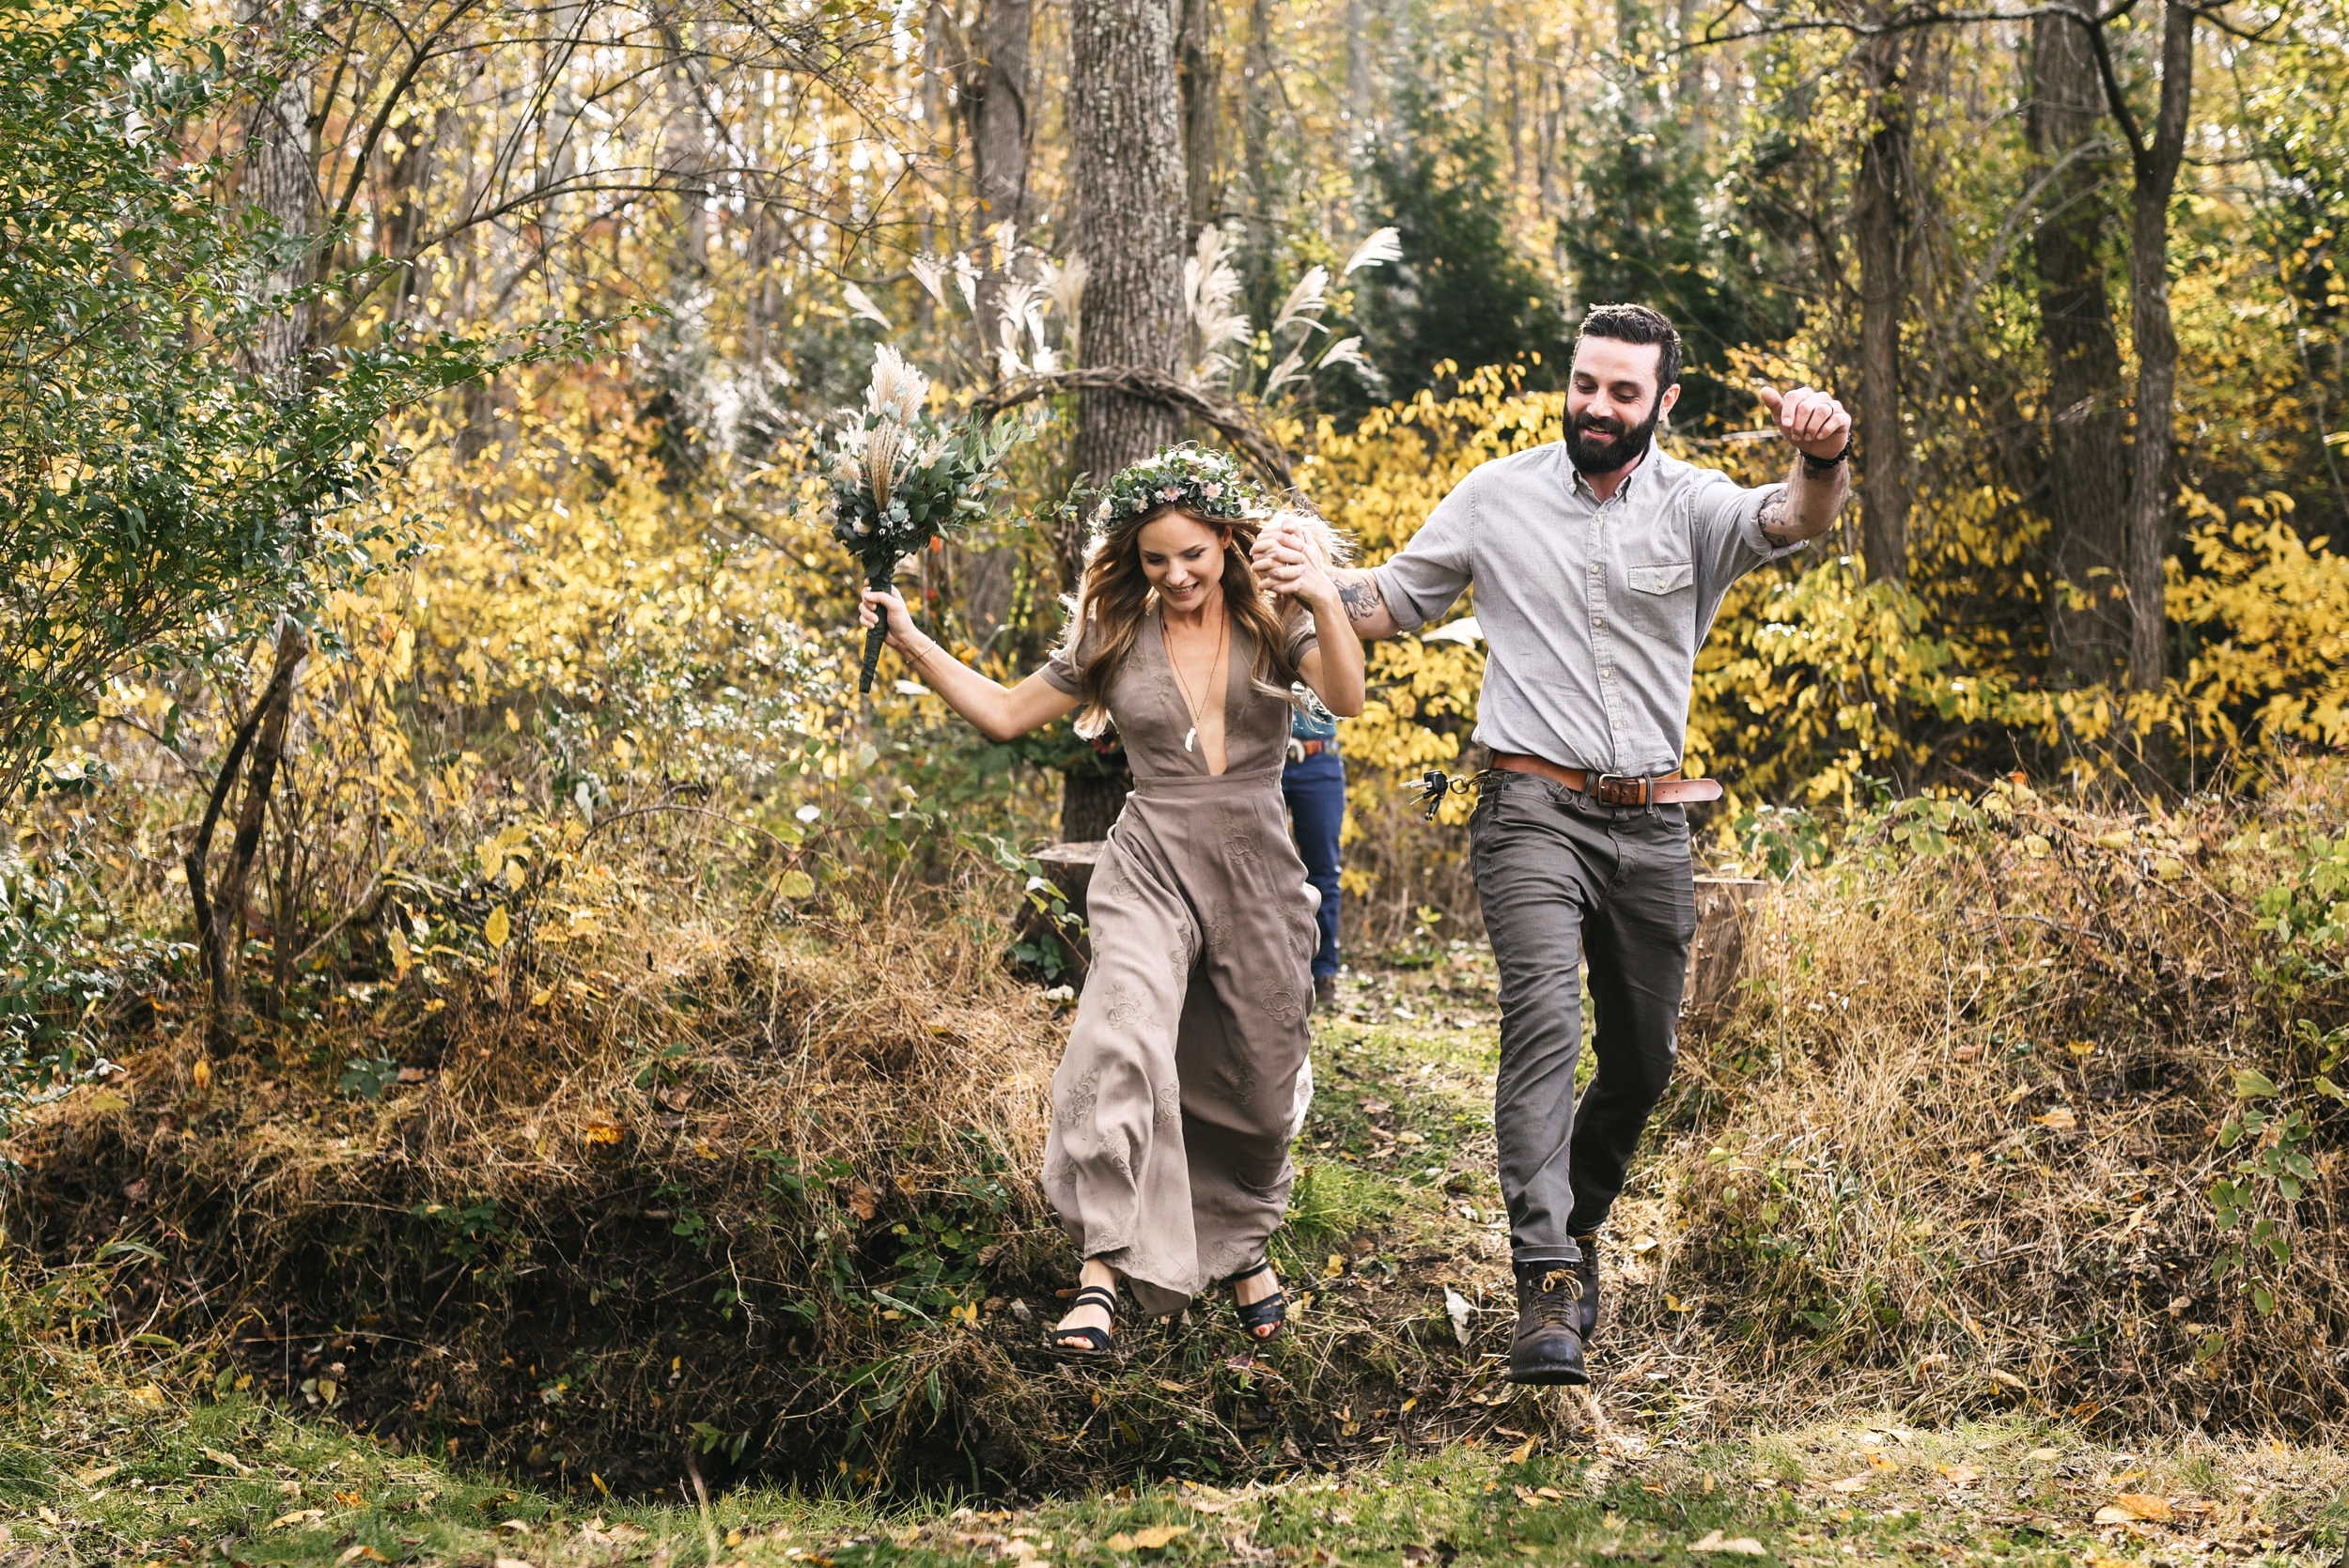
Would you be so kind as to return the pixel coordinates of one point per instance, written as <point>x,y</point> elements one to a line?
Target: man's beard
<point>1602,446</point>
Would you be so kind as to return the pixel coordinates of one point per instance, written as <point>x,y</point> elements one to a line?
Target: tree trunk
<point>1128,155</point>
<point>1879,226</point>
<point>2152,485</point>
<point>1259,86</point>
<point>1089,803</point>
<point>995,92</point>
<point>1195,63</point>
<point>1357,103</point>
<point>2087,483</point>
<point>279,179</point>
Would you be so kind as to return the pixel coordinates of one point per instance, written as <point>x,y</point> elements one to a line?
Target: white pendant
<point>1189,736</point>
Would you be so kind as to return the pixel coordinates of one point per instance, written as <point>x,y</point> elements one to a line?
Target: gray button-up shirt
<point>1592,611</point>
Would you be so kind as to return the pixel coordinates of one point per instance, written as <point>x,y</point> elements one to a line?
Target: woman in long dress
<point>1186,1080</point>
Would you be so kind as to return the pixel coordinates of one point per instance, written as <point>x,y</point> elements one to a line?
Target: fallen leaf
<point>1206,1506</point>
<point>1335,1266</point>
<point>95,1473</point>
<point>1456,1308</point>
<point>520,1526</point>
<point>2060,1119</point>
<point>1959,1475</point>
<point>514,1562</point>
<point>863,1200</point>
<point>1172,1387</point>
<point>1741,1546</point>
<point>1850,1483</point>
<point>1522,1453</point>
<point>1159,1535</point>
<point>201,1074</point>
<point>361,1553</point>
<point>1121,1541</point>
<point>351,1499</point>
<point>2145,1505</point>
<point>1879,1460</point>
<point>299,1517</point>
<point>601,1131</point>
<point>225,1461</point>
<point>2111,1515</point>
<point>2043,1456</point>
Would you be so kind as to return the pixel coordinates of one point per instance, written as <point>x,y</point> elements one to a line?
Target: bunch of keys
<point>1435,784</point>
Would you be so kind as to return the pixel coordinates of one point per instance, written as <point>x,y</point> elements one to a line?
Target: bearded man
<point>1598,562</point>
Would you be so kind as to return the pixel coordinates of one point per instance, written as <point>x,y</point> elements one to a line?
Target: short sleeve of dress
<point>1060,671</point>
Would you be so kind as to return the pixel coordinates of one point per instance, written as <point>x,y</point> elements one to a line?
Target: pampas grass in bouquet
<point>904,477</point>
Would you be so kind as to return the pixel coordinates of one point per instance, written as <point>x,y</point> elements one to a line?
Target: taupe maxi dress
<point>1186,1077</point>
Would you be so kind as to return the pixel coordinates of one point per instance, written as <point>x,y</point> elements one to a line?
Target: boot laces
<point>1555,1295</point>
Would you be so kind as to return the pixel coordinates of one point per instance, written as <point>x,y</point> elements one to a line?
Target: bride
<point>1186,1077</point>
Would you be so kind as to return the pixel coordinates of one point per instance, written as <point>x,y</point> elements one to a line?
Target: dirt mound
<point>2023,1106</point>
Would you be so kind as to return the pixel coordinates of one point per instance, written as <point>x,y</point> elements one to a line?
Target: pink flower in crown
<point>1214,490</point>
<point>1170,494</point>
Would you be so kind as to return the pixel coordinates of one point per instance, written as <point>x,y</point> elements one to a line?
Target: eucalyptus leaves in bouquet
<point>903,476</point>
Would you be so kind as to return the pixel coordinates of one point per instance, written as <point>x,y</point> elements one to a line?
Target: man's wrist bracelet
<point>1819,468</point>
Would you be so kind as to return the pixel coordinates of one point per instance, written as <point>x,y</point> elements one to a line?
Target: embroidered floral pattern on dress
<point>1125,1012</point>
<point>1283,1003</point>
<point>1170,1104</point>
<point>1081,1099</point>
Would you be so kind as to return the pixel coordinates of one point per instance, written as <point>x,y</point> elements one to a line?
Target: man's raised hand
<point>1818,426</point>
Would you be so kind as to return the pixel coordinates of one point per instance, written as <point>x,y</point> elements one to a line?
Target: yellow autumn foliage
<point>1814,682</point>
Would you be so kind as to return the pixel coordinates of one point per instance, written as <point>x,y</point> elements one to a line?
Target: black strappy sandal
<point>1096,1345</point>
<point>1271,1313</point>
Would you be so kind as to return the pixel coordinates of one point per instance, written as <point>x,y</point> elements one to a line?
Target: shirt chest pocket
<point>1668,577</point>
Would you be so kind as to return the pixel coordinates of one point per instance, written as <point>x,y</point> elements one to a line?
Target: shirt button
<point>1597,621</point>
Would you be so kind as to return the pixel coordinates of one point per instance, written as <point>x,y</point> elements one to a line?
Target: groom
<point>1599,563</point>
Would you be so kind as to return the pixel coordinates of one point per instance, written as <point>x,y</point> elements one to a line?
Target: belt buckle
<point>1296,750</point>
<point>1610,788</point>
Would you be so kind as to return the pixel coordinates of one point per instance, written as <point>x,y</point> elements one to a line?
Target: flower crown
<point>1199,479</point>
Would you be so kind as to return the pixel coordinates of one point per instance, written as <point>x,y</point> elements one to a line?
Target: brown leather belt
<point>1300,749</point>
<point>1613,789</point>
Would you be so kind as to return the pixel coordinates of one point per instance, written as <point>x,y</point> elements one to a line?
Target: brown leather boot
<point>1587,1271</point>
<point>1547,1346</point>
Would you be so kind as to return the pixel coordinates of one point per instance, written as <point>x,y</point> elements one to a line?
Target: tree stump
<point>1725,907</point>
<point>1069,868</point>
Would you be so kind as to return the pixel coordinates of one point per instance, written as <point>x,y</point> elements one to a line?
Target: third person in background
<point>1314,786</point>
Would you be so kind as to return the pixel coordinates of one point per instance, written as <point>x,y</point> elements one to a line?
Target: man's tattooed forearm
<point>1773,521</point>
<point>1360,597</point>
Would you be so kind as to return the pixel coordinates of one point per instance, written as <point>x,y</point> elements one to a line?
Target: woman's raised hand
<point>1287,563</point>
<point>901,633</point>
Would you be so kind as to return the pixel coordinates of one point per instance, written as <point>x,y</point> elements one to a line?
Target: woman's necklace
<point>1198,705</point>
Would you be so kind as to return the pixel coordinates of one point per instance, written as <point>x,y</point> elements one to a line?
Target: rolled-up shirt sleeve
<point>1727,531</point>
<point>1423,578</point>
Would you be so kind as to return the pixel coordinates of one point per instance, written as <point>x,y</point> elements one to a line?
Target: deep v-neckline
<point>1222,699</point>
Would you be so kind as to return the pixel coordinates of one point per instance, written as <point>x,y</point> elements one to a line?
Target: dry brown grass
<point>567,1247</point>
<point>1955,1147</point>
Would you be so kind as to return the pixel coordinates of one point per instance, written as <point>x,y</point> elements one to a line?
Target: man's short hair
<point>1638,325</point>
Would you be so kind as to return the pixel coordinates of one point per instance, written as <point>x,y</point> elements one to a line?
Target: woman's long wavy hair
<point>1114,597</point>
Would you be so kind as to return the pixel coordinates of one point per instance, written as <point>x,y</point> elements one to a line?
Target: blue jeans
<point>1316,792</point>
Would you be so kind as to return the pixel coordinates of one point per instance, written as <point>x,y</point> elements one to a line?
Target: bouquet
<point>902,477</point>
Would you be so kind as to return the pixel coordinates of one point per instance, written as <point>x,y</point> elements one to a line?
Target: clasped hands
<point>1288,563</point>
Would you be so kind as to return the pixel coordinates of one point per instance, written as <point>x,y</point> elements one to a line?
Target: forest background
<point>431,672</point>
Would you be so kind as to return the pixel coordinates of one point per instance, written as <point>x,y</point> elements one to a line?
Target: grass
<point>1951,1159</point>
<point>233,1480</point>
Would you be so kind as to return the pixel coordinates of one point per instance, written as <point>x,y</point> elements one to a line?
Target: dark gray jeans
<point>1562,876</point>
